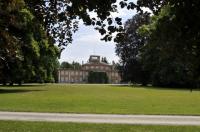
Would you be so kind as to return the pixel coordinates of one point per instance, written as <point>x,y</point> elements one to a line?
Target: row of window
<point>73,73</point>
<point>114,74</point>
<point>73,80</point>
<point>97,67</point>
<point>66,79</point>
<point>80,73</point>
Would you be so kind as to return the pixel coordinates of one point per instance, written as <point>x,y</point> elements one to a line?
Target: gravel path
<point>102,118</point>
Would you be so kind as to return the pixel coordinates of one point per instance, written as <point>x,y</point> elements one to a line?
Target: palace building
<point>94,65</point>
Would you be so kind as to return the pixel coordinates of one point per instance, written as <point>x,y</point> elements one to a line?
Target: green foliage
<point>129,50</point>
<point>60,17</point>
<point>35,48</point>
<point>27,53</point>
<point>65,65</point>
<point>26,16</point>
<point>97,77</point>
<point>28,30</point>
<point>170,55</point>
<point>73,65</point>
<point>76,65</point>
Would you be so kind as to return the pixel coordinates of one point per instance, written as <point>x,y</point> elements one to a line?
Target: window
<point>113,74</point>
<point>116,74</point>
<point>94,57</point>
<point>66,72</point>
<point>72,72</point>
<point>66,78</point>
<point>62,73</point>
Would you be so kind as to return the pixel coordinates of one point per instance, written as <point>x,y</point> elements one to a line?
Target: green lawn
<point>13,126</point>
<point>99,99</point>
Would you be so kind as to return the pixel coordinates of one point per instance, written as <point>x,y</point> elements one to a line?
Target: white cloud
<point>87,42</point>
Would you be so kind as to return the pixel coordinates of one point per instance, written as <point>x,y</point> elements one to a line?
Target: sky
<point>86,42</point>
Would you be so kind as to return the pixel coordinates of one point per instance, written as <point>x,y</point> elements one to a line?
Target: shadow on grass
<point>23,85</point>
<point>158,88</point>
<point>126,85</point>
<point>7,91</point>
<point>173,88</point>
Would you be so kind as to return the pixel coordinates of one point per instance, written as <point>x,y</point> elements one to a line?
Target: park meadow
<point>101,99</point>
<point>107,99</point>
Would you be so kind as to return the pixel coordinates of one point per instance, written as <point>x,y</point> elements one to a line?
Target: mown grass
<point>99,99</point>
<point>13,126</point>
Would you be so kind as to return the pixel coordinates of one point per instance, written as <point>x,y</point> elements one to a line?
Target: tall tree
<point>129,50</point>
<point>172,52</point>
<point>24,44</point>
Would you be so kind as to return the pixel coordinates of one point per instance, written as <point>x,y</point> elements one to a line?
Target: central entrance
<point>97,77</point>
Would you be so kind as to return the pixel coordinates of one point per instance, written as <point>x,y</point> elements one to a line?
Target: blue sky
<point>87,42</point>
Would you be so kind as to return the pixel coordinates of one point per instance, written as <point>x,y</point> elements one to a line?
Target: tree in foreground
<point>29,30</point>
<point>171,53</point>
<point>129,52</point>
<point>22,20</point>
<point>27,53</point>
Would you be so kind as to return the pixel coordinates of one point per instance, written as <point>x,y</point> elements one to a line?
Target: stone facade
<point>81,76</point>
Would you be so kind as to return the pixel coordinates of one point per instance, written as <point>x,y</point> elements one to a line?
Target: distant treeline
<point>68,65</point>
